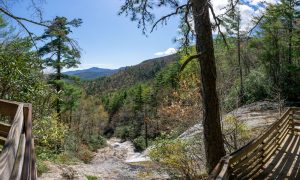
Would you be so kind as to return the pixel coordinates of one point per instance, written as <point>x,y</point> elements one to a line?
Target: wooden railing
<point>17,158</point>
<point>248,160</point>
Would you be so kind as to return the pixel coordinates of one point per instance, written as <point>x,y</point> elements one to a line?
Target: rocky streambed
<point>116,161</point>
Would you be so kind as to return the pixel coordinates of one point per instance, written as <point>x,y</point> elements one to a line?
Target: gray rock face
<point>255,115</point>
<point>193,131</point>
<point>258,114</point>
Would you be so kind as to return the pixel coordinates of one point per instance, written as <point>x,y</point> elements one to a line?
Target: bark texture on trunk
<point>58,78</point>
<point>213,141</point>
<point>241,93</point>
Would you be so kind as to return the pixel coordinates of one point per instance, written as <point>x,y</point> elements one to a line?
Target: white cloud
<point>248,9</point>
<point>167,52</point>
<point>258,2</point>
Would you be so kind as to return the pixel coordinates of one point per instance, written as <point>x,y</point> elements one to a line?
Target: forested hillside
<point>91,73</point>
<point>219,67</point>
<point>128,76</point>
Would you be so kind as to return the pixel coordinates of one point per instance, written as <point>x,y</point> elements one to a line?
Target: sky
<point>111,41</point>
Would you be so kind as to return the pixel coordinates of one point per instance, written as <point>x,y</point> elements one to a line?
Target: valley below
<point>118,160</point>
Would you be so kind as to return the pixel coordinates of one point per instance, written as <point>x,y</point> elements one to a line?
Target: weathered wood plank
<point>248,175</point>
<point>269,155</point>
<point>252,146</point>
<point>270,149</point>
<point>275,133</point>
<point>296,128</point>
<point>246,162</point>
<point>9,152</point>
<point>267,146</point>
<point>17,170</point>
<point>296,122</point>
<point>224,174</point>
<point>216,170</point>
<point>8,108</point>
<point>4,129</point>
<point>2,141</point>
<point>248,169</point>
<point>33,162</point>
<point>283,134</point>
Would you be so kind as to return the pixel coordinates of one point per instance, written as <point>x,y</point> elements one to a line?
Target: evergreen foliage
<point>60,51</point>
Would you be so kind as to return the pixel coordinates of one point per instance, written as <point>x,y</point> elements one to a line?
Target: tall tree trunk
<point>290,48</point>
<point>277,66</point>
<point>146,133</point>
<point>291,19</point>
<point>58,78</point>
<point>213,141</point>
<point>241,93</point>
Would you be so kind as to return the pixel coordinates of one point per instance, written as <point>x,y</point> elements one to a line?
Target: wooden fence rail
<point>17,158</point>
<point>246,162</point>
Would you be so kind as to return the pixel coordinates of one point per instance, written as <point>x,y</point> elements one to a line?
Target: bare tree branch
<point>217,21</point>
<point>37,10</point>
<point>232,6</point>
<point>21,19</point>
<point>166,17</point>
<point>256,24</point>
<point>29,33</point>
<point>188,60</point>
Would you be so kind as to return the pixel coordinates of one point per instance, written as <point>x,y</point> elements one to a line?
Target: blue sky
<point>107,40</point>
<point>111,41</point>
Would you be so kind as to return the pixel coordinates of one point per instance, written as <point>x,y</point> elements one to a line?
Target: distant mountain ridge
<point>148,66</point>
<point>92,73</point>
<point>130,75</point>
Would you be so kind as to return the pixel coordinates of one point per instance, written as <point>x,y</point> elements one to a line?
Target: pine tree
<point>60,51</point>
<point>279,34</point>
<point>232,23</point>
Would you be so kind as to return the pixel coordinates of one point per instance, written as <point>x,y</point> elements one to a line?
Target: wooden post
<point>291,121</point>
<point>33,162</point>
<point>26,173</point>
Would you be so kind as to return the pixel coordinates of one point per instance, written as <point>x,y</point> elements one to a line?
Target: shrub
<point>50,134</point>
<point>41,167</point>
<point>85,154</point>
<point>66,158</point>
<point>44,154</point>
<point>139,143</point>
<point>236,133</point>
<point>125,132</point>
<point>182,159</point>
<point>256,87</point>
<point>72,142</point>
<point>91,177</point>
<point>96,142</point>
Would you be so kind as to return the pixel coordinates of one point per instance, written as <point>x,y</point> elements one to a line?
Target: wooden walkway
<point>273,155</point>
<point>17,158</point>
<point>285,164</point>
